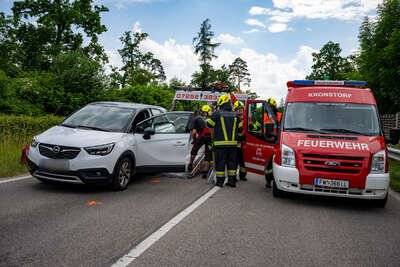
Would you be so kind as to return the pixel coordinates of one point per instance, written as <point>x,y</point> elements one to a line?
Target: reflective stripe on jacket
<point>225,125</point>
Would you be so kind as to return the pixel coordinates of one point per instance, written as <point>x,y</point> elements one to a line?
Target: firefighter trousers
<point>225,156</point>
<point>240,160</point>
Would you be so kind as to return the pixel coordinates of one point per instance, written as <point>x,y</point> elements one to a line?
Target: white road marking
<point>154,237</point>
<point>15,179</point>
<point>394,195</point>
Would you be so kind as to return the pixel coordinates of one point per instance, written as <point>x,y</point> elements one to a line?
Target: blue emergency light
<point>329,83</point>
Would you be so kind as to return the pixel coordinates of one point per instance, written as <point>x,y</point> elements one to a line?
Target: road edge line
<point>160,232</point>
<point>394,194</point>
<point>8,180</point>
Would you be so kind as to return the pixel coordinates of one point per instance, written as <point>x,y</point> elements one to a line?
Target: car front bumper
<point>84,169</point>
<point>287,179</point>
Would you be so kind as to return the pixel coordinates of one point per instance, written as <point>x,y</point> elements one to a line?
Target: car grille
<point>58,152</point>
<point>344,164</point>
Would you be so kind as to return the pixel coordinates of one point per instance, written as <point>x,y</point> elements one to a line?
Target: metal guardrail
<point>394,153</point>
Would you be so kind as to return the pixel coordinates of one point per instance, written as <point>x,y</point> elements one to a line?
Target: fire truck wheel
<point>276,192</point>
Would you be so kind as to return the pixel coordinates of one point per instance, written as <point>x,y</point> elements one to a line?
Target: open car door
<point>259,146</point>
<point>163,143</point>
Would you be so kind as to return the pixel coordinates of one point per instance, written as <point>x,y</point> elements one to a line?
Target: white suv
<point>108,142</point>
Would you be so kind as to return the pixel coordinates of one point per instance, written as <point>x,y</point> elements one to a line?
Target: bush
<point>16,132</point>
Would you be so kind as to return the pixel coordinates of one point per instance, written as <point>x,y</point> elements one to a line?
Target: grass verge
<point>16,132</point>
<point>394,175</point>
<point>10,155</point>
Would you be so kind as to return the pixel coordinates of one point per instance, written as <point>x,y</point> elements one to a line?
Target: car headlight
<point>101,150</point>
<point>34,142</point>
<point>288,157</point>
<point>378,164</point>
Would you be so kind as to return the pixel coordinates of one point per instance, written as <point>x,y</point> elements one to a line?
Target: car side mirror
<point>148,132</point>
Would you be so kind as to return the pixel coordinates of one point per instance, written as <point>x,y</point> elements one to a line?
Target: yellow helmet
<point>272,102</point>
<point>207,109</point>
<point>238,104</point>
<point>223,99</point>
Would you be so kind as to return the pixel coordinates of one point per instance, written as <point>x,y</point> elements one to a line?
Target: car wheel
<point>122,174</point>
<point>381,203</point>
<point>276,192</point>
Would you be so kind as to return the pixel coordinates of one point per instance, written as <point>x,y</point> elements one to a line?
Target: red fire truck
<point>330,141</point>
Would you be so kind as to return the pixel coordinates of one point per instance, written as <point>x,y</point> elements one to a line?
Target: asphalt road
<point>52,225</point>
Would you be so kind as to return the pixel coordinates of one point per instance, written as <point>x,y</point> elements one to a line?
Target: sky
<point>275,37</point>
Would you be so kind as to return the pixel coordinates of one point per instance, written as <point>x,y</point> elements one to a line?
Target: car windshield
<point>101,118</point>
<point>336,118</point>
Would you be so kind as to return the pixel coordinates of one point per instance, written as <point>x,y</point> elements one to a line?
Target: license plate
<point>331,183</point>
<point>54,164</point>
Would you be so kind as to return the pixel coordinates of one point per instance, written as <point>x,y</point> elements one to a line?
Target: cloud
<point>254,22</point>
<point>230,39</point>
<point>252,31</point>
<point>269,73</point>
<point>277,27</point>
<point>256,10</point>
<point>137,27</point>
<point>284,11</point>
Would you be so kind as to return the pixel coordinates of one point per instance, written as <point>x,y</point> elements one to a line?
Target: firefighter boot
<point>231,181</point>
<point>242,174</point>
<point>220,181</point>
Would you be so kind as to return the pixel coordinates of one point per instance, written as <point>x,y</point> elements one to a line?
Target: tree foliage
<point>328,63</point>
<point>43,29</point>
<point>138,67</point>
<point>204,47</point>
<point>380,55</point>
<point>239,74</point>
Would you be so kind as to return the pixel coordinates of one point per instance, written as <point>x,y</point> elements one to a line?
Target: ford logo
<point>332,163</point>
<point>56,149</point>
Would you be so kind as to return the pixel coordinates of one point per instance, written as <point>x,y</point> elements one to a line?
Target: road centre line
<point>155,236</point>
<point>15,179</point>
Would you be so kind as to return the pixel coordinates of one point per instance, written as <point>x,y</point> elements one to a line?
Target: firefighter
<point>278,114</point>
<point>202,136</point>
<point>268,119</point>
<point>225,124</point>
<point>239,108</point>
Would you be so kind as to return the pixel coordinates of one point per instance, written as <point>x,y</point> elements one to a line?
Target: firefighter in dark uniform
<point>225,123</point>
<point>239,108</point>
<point>201,136</point>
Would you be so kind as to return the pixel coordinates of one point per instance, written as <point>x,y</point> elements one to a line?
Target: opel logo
<point>332,163</point>
<point>56,149</point>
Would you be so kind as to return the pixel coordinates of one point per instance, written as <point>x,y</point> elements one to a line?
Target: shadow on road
<point>59,187</point>
<point>331,202</point>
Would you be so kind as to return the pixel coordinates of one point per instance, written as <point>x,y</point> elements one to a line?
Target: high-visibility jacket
<point>225,125</point>
<point>279,117</point>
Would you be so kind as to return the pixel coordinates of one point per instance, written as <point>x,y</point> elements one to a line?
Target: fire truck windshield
<point>334,118</point>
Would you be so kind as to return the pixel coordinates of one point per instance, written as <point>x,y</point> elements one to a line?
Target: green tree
<point>204,47</point>
<point>7,46</point>
<point>45,28</point>
<point>138,67</point>
<point>329,63</point>
<point>81,79</point>
<point>380,55</point>
<point>239,73</point>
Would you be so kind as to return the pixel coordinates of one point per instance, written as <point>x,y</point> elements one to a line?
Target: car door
<point>259,149</point>
<point>167,148</point>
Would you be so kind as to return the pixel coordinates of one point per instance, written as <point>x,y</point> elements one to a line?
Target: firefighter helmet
<point>223,99</point>
<point>272,102</point>
<point>238,104</point>
<point>206,109</point>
